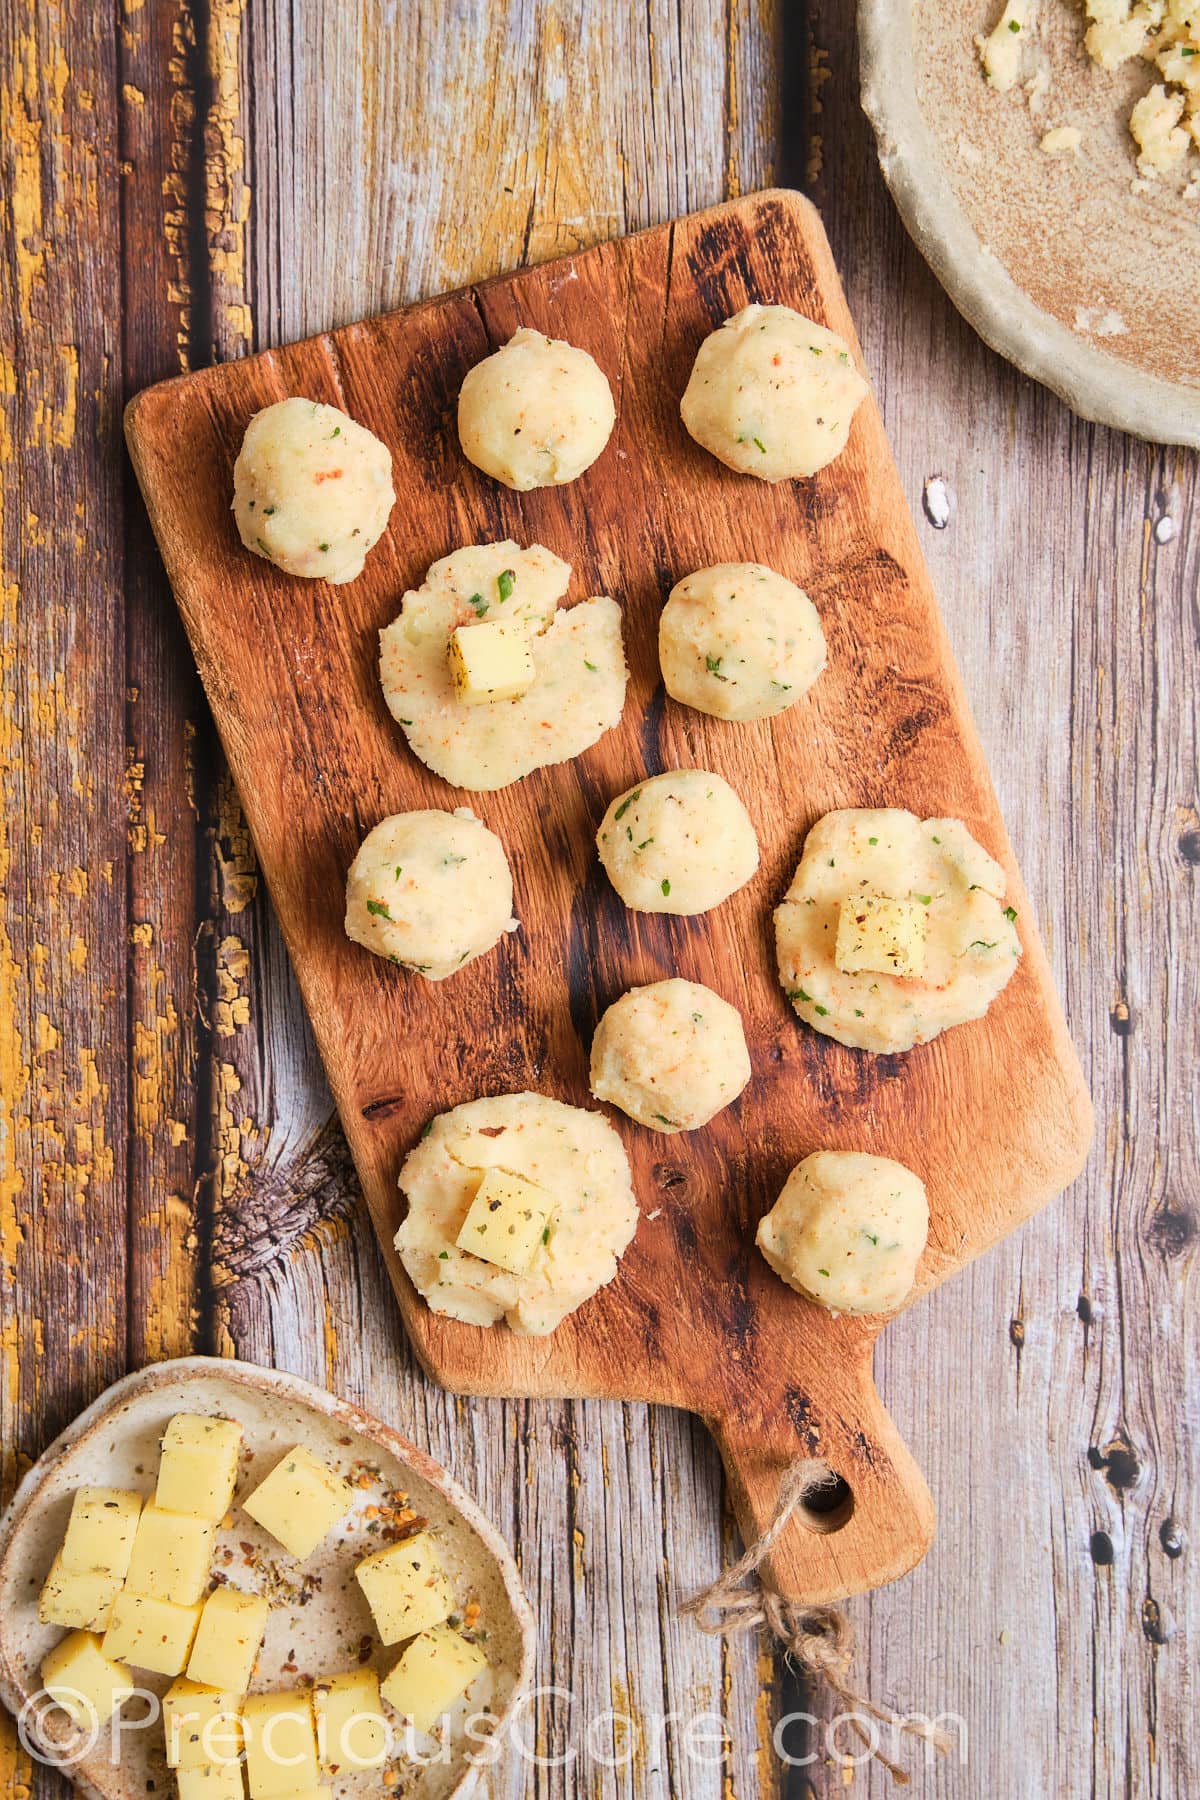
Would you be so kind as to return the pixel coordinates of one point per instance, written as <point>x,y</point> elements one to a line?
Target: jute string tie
<point>819,1639</point>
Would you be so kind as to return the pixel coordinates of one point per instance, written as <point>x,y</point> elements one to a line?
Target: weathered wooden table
<point>187,182</point>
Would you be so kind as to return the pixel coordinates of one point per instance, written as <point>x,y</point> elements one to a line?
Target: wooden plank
<point>62,895</point>
<point>416,133</point>
<point>1065,1359</point>
<point>777,1379</point>
<point>62,955</point>
<point>164,329</point>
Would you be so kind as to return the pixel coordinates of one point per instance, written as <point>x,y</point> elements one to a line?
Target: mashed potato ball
<point>312,490</point>
<point>848,1230</point>
<point>536,413</point>
<point>677,843</point>
<point>739,641</point>
<point>671,1055</point>
<point>772,394</point>
<point>430,890</point>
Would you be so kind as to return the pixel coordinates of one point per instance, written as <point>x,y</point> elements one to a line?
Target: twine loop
<point>819,1639</point>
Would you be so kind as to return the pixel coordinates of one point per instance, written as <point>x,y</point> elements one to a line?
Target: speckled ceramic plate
<point>1069,266</point>
<point>319,1622</point>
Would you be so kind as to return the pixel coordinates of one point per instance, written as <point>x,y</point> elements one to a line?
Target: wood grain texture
<point>694,1317</point>
<point>322,164</point>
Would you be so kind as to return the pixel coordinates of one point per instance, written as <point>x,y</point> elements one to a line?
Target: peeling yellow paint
<point>142,833</point>
<point>765,1755</point>
<point>227,191</point>
<point>331,1345</point>
<point>14,1070</point>
<point>232,1006</point>
<point>53,413</point>
<point>175,182</point>
<point>237,865</point>
<point>24,129</point>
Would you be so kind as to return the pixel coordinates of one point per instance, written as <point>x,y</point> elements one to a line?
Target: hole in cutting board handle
<point>830,1506</point>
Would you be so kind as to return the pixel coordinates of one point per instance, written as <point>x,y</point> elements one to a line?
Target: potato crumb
<point>1064,140</point>
<point>1165,34</point>
<point>1000,51</point>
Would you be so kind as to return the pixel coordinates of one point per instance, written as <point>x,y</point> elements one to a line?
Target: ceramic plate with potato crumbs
<point>1063,255</point>
<point>320,1624</point>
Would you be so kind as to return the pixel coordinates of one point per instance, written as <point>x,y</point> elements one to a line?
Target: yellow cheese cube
<point>406,1588</point>
<point>77,1601</point>
<point>100,1531</point>
<point>300,1501</point>
<point>200,1725</point>
<point>434,1671</point>
<point>199,1466</point>
<point>87,1684</point>
<point>172,1556</point>
<point>149,1633</point>
<point>227,1643</point>
<point>490,662</point>
<point>507,1221</point>
<point>881,937</point>
<point>351,1729</point>
<point>219,1781</point>
<point>281,1744</point>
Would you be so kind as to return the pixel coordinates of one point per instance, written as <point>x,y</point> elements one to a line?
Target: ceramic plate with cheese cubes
<point>348,1618</point>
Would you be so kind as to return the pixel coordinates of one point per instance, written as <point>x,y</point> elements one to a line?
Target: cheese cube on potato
<point>218,1781</point>
<point>172,1556</point>
<point>228,1640</point>
<point>77,1601</point>
<point>406,1588</point>
<point>881,936</point>
<point>300,1501</point>
<point>87,1684</point>
<point>507,1221</point>
<point>201,1726</point>
<point>490,662</point>
<point>199,1463</point>
<point>150,1634</point>
<point>434,1671</point>
<point>99,1537</point>
<point>281,1744</point>
<point>351,1729</point>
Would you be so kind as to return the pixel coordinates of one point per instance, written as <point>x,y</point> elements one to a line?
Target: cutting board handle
<point>880,1517</point>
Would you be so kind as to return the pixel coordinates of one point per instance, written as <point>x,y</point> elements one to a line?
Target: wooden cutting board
<point>993,1115</point>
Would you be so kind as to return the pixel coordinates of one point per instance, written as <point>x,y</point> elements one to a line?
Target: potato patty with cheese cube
<point>572,1157</point>
<point>479,741</point>
<point>893,929</point>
